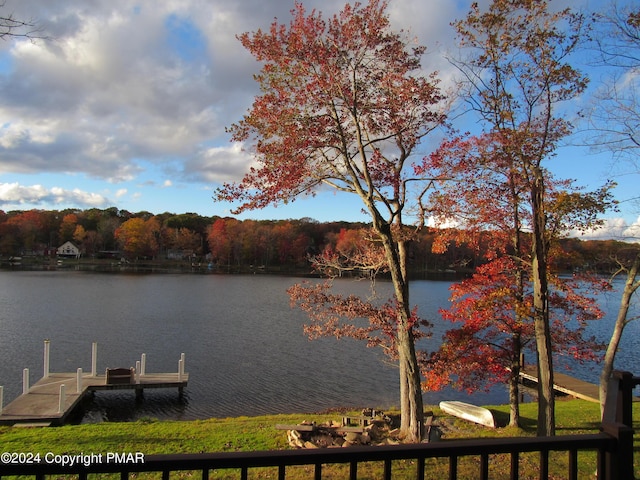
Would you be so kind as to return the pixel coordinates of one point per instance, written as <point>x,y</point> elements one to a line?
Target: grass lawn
<point>259,433</point>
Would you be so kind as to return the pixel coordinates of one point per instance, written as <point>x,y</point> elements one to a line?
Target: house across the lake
<point>68,250</point>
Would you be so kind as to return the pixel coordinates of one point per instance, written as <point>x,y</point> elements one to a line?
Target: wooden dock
<point>565,384</point>
<point>50,400</point>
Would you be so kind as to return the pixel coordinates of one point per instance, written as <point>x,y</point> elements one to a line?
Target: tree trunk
<point>514,383</point>
<point>412,411</point>
<point>546,402</point>
<point>630,287</point>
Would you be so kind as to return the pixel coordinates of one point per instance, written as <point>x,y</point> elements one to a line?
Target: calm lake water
<point>245,350</point>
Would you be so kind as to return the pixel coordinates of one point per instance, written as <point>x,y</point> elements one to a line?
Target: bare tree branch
<point>12,27</point>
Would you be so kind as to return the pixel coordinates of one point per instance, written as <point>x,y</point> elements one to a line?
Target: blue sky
<point>127,106</point>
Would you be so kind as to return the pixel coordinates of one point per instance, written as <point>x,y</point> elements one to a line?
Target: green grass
<point>259,433</point>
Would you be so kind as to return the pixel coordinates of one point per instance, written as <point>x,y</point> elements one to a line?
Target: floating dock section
<point>564,384</point>
<point>52,398</point>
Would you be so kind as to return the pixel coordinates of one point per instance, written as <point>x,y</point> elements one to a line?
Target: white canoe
<point>469,412</point>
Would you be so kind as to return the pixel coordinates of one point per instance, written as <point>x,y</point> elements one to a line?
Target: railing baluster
<point>317,474</point>
<point>573,464</point>
<point>601,469</point>
<point>544,464</point>
<point>166,474</point>
<point>453,467</point>
<point>420,467</point>
<point>353,471</point>
<point>282,472</point>
<point>484,466</point>
<point>515,465</point>
<point>244,473</point>
<point>387,469</point>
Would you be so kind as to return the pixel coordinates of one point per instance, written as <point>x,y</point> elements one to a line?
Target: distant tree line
<point>235,245</point>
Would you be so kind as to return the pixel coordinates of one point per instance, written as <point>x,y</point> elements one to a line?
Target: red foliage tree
<point>220,236</point>
<point>335,315</point>
<point>489,201</point>
<point>496,319</point>
<point>517,72</point>
<point>344,105</point>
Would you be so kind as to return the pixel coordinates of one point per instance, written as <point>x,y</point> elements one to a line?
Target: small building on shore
<point>68,250</point>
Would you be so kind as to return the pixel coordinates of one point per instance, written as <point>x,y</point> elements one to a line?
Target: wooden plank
<point>311,428</point>
<point>349,429</point>
<point>298,428</point>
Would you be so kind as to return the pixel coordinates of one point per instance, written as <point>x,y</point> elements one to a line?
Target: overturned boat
<point>467,411</point>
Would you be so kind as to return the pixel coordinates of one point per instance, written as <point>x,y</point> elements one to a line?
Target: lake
<point>245,350</point>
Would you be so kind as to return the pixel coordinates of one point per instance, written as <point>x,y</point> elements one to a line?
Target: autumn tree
<point>351,251</point>
<point>79,234</point>
<point>67,227</point>
<point>615,127</point>
<point>495,329</point>
<point>516,75</point>
<point>182,239</point>
<point>220,238</point>
<point>344,104</point>
<point>487,198</point>
<point>139,237</point>
<point>30,228</point>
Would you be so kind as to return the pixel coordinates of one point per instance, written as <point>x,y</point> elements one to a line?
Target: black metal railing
<point>614,447</point>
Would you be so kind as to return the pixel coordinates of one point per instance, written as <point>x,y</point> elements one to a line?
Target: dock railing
<point>614,447</point>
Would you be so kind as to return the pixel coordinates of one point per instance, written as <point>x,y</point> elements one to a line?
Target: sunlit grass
<point>259,433</point>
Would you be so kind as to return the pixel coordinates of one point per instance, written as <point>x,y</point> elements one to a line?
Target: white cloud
<point>13,195</point>
<point>126,87</point>
<point>142,80</point>
<point>613,228</point>
<point>219,164</point>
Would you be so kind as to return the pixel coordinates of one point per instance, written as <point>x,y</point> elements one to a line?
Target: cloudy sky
<point>126,103</point>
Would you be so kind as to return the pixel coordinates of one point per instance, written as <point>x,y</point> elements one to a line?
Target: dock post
<point>181,367</point>
<point>25,380</point>
<point>62,398</point>
<point>79,380</point>
<point>94,359</point>
<point>47,348</point>
<point>138,371</point>
<point>143,364</point>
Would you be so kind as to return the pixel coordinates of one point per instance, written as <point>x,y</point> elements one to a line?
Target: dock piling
<point>143,364</point>
<point>137,371</point>
<point>94,359</point>
<point>47,348</point>
<point>62,398</point>
<point>79,380</point>
<point>25,380</point>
